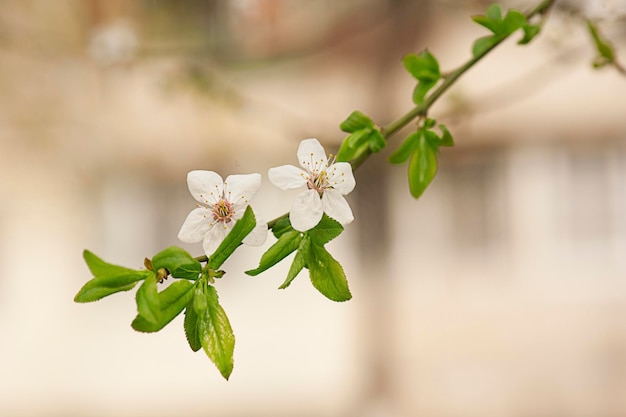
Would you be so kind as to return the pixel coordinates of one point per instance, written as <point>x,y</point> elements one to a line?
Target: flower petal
<point>205,186</point>
<point>341,178</point>
<point>215,236</point>
<point>287,177</point>
<point>311,155</point>
<point>240,189</point>
<point>258,235</point>
<point>336,206</point>
<point>306,211</point>
<point>196,225</point>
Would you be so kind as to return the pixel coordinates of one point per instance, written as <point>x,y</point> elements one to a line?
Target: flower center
<point>223,211</point>
<point>318,181</point>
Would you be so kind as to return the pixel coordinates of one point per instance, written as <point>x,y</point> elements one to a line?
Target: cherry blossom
<point>324,184</point>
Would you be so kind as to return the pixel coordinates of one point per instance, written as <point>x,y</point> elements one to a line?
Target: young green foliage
<point>240,230</point>
<point>425,69</point>
<point>178,262</point>
<point>604,49</point>
<point>108,279</point>
<point>171,302</point>
<point>325,272</point>
<point>215,333</point>
<point>422,147</point>
<point>502,27</point>
<point>364,134</point>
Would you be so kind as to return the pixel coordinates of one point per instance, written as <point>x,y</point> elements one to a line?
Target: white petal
<point>215,236</point>
<point>196,225</point>
<point>306,211</point>
<point>287,177</point>
<point>341,178</point>
<point>258,235</point>
<point>205,186</point>
<point>240,189</point>
<point>311,155</point>
<point>336,206</point>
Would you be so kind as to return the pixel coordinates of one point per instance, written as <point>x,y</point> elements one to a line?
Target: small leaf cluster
<point>502,27</point>
<point>206,324</point>
<point>325,272</point>
<point>420,148</point>
<point>425,69</point>
<point>364,136</point>
<point>605,51</point>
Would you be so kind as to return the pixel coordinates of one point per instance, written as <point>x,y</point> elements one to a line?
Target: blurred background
<point>501,292</point>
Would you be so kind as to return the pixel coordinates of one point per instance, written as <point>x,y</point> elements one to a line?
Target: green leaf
<point>347,152</point>
<point>240,230</point>
<point>493,26</point>
<point>178,262</point>
<point>355,122</point>
<point>216,335</point>
<point>530,31</point>
<point>405,150</point>
<point>513,21</point>
<point>326,274</point>
<point>359,137</point>
<point>299,261</point>
<point>147,298</point>
<point>494,12</point>
<point>422,167</point>
<point>325,231</point>
<point>376,141</point>
<point>172,301</point>
<point>446,137</point>
<point>482,45</point>
<point>421,89</point>
<point>284,246</point>
<point>603,47</point>
<point>108,279</point>
<point>191,328</point>
<point>281,227</point>
<point>423,67</point>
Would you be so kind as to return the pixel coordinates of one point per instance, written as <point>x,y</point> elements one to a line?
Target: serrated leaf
<point>513,21</point>
<point>216,335</point>
<point>530,31</point>
<point>482,45</point>
<point>240,230</point>
<point>356,121</point>
<point>172,301</point>
<point>325,231</point>
<point>178,262</point>
<point>446,137</point>
<point>147,298</point>
<point>299,262</point>
<point>422,167</point>
<point>326,274</point>
<point>283,247</point>
<point>108,279</point>
<point>402,154</point>
<point>191,328</point>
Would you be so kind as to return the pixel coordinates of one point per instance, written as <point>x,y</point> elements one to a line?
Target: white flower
<point>326,183</point>
<point>221,204</point>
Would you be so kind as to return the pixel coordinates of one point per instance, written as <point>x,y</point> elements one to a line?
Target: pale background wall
<point>501,292</point>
